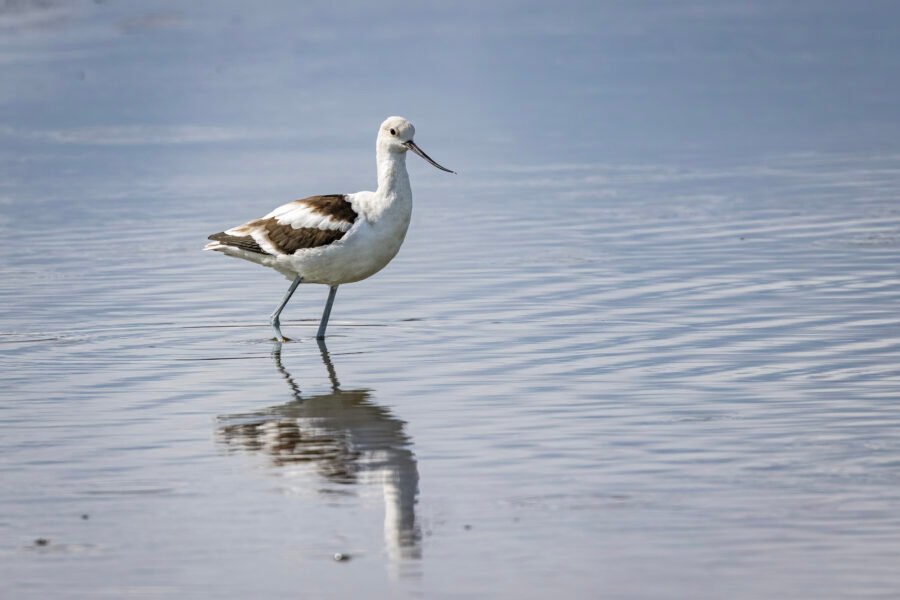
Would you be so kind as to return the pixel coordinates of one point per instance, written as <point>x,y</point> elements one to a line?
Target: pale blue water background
<point>645,345</point>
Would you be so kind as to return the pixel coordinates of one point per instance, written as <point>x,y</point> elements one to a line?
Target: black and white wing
<point>299,225</point>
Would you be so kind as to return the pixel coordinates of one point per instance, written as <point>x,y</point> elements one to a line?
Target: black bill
<point>412,146</point>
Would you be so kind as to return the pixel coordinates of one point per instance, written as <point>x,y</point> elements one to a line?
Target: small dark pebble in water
<point>341,557</point>
<point>41,542</point>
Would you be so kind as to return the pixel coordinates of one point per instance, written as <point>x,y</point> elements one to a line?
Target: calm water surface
<point>669,378</point>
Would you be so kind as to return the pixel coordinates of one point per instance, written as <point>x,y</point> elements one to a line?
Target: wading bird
<point>337,238</point>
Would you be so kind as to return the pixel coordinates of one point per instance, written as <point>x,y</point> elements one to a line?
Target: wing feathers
<point>288,240</point>
<point>302,224</point>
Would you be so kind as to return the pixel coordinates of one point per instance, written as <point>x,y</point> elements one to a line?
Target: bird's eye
<point>393,132</point>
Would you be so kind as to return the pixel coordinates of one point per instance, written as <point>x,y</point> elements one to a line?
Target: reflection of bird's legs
<point>276,354</point>
<point>326,313</point>
<point>326,358</point>
<point>275,318</point>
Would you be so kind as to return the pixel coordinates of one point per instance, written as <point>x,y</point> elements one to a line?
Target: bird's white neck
<point>393,185</point>
<point>393,179</point>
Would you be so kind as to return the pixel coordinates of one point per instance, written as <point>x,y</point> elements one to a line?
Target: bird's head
<point>396,136</point>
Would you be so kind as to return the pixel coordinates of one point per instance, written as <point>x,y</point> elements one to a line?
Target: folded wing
<point>299,225</point>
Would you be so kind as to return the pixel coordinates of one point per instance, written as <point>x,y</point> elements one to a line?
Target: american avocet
<point>337,238</point>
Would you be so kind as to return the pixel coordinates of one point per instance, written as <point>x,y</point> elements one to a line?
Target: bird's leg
<point>274,319</point>
<point>326,313</point>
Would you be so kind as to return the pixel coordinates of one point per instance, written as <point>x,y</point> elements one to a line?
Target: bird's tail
<point>244,242</point>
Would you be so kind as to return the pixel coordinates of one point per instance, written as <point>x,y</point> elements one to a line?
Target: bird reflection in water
<point>347,437</point>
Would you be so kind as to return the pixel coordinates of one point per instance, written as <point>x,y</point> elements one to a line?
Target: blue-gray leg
<point>274,319</point>
<point>326,313</point>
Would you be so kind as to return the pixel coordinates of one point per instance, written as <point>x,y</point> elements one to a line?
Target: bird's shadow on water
<point>346,436</point>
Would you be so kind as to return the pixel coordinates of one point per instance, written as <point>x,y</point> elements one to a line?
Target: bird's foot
<point>275,322</point>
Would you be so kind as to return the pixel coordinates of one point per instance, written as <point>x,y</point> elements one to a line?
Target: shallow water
<point>598,378</point>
